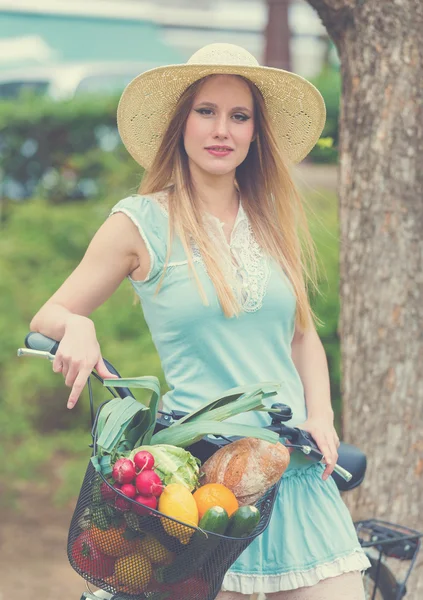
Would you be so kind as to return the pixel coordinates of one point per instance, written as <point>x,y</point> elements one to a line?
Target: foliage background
<point>64,168</point>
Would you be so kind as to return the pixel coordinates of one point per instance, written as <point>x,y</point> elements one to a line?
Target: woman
<point>211,247</point>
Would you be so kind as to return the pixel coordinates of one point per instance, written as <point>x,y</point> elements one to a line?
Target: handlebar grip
<point>38,341</point>
<point>346,475</point>
<point>45,345</point>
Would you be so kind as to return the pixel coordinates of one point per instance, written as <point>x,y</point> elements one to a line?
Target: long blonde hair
<point>269,198</point>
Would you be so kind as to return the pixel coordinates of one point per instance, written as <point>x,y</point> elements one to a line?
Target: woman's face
<point>220,126</point>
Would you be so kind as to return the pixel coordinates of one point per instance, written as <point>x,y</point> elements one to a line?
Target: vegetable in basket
<point>172,464</point>
<point>125,424</point>
<point>89,558</point>
<point>202,544</point>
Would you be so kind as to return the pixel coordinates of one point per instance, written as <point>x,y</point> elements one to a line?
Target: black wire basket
<point>149,555</point>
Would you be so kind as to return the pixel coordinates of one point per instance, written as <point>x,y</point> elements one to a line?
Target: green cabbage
<point>173,464</point>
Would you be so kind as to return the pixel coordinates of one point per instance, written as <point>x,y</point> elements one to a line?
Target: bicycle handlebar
<point>42,346</point>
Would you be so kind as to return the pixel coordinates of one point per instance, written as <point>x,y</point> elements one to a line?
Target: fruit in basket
<point>248,467</point>
<point>202,544</point>
<point>143,460</point>
<point>116,541</point>
<point>89,558</point>
<point>123,470</point>
<point>189,588</point>
<point>148,483</point>
<point>156,552</point>
<point>134,571</point>
<point>177,502</point>
<point>215,494</point>
<point>144,503</point>
<point>243,522</point>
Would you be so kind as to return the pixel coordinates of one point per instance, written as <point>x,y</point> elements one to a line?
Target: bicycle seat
<point>353,460</point>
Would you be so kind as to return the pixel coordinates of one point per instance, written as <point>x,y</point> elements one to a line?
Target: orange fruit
<point>215,494</point>
<point>115,541</point>
<point>134,571</point>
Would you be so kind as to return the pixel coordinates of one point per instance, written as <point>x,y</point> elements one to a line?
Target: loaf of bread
<point>248,467</point>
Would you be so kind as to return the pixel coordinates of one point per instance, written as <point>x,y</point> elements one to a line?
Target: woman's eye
<point>240,117</point>
<point>204,111</point>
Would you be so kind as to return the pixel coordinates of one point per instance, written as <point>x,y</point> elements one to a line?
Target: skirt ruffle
<point>310,537</point>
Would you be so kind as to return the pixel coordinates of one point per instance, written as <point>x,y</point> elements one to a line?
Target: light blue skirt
<point>310,537</point>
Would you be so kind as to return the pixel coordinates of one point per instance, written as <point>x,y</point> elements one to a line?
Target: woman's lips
<point>217,151</point>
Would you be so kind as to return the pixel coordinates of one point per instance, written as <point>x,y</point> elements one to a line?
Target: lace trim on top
<point>243,261</point>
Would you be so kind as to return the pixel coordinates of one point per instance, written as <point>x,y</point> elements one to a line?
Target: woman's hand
<point>78,353</point>
<point>326,438</point>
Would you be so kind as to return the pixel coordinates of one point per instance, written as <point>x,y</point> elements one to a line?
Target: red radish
<point>144,502</point>
<point>107,492</point>
<point>128,489</point>
<point>144,460</point>
<point>149,483</point>
<point>123,470</point>
<point>122,504</point>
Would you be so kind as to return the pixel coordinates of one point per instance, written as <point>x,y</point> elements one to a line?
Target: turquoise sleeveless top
<point>202,352</point>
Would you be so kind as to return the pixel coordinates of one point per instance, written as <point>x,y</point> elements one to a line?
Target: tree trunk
<point>380,45</point>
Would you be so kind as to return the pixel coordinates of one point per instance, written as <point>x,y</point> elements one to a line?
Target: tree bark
<point>278,35</point>
<point>380,45</point>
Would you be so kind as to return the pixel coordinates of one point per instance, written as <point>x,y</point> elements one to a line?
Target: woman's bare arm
<point>114,252</point>
<point>310,361</point>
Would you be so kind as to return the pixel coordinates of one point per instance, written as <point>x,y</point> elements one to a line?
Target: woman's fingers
<point>327,447</point>
<point>72,374</point>
<point>78,386</point>
<point>57,364</point>
<point>103,371</point>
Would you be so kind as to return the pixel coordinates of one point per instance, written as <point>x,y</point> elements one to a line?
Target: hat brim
<point>295,106</point>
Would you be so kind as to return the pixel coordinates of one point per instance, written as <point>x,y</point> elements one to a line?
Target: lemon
<point>176,501</point>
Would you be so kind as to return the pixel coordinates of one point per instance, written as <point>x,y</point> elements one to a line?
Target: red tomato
<point>188,588</point>
<point>89,558</point>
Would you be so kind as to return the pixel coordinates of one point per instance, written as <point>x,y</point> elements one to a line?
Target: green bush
<point>324,228</point>
<point>51,149</point>
<point>328,83</point>
<point>63,151</point>
<point>39,247</point>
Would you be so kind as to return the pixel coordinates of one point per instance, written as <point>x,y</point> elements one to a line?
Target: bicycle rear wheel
<point>386,584</point>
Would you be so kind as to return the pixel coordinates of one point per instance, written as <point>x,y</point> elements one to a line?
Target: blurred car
<point>64,81</point>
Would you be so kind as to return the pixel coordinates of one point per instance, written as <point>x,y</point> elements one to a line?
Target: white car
<point>63,81</point>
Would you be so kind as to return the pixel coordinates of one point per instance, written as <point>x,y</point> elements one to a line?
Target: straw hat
<point>296,108</point>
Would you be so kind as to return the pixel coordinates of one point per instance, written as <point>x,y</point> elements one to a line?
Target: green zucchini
<point>201,545</point>
<point>243,522</point>
<point>215,519</point>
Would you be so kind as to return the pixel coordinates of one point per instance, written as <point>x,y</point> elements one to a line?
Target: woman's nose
<point>221,129</point>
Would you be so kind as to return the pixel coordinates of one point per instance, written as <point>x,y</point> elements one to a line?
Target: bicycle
<point>388,539</point>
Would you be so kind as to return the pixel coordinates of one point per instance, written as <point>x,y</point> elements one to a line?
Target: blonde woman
<point>217,249</point>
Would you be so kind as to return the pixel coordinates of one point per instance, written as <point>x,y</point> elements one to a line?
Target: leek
<point>266,389</point>
<point>189,433</point>
<point>125,423</point>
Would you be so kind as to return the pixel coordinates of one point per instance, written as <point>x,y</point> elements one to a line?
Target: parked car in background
<point>64,81</point>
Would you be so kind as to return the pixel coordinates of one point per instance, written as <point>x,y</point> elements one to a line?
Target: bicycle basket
<point>149,556</point>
